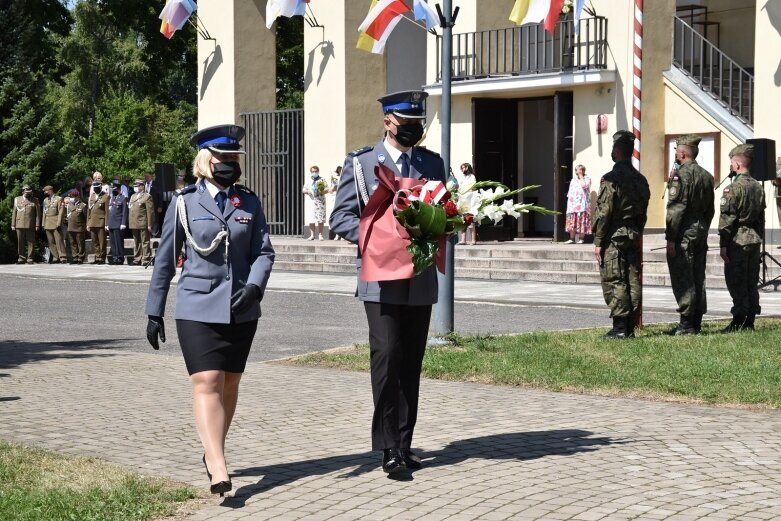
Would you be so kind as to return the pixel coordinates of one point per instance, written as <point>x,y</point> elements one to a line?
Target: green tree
<point>290,62</point>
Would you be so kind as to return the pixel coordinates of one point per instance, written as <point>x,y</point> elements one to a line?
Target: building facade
<point>527,105</point>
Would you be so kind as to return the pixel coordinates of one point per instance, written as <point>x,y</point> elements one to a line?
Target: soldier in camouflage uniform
<point>690,211</point>
<point>25,220</point>
<point>618,226</point>
<point>53,217</point>
<point>741,228</point>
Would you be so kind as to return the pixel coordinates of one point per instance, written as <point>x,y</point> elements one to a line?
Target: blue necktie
<point>221,197</point>
<point>404,165</point>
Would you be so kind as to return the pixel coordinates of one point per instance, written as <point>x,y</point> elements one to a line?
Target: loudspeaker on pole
<point>763,167</point>
<point>165,175</point>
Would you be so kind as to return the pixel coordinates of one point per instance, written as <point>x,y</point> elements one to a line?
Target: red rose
<point>451,210</point>
<point>468,218</point>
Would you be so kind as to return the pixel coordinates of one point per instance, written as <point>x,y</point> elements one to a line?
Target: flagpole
<point>443,311</point>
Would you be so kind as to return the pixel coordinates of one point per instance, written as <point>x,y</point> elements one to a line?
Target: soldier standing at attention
<point>690,210</point>
<point>117,222</point>
<point>142,215</point>
<point>96,218</point>
<point>618,226</point>
<point>53,217</point>
<point>741,228</point>
<point>76,216</point>
<point>398,311</point>
<point>25,220</point>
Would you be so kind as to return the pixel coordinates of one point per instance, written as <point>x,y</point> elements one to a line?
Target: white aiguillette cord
<point>181,212</point>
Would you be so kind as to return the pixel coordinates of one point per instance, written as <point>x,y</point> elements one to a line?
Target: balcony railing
<point>715,72</point>
<point>528,49</point>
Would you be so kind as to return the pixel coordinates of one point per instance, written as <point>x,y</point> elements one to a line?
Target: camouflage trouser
<point>742,276</point>
<point>620,273</point>
<point>687,277</point>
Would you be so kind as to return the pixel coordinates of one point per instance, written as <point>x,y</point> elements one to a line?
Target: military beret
<point>408,104</point>
<point>26,188</point>
<point>742,150</point>
<point>138,182</point>
<point>624,136</point>
<point>73,193</point>
<point>690,140</point>
<point>221,139</point>
<point>47,188</point>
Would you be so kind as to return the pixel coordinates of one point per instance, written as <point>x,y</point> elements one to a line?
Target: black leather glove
<point>243,299</point>
<point>155,327</point>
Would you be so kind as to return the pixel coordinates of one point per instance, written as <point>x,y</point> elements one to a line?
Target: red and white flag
<point>379,24</point>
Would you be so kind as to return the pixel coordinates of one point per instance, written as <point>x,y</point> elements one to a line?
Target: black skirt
<point>220,347</point>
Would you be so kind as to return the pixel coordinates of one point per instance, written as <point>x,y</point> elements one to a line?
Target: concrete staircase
<point>525,259</point>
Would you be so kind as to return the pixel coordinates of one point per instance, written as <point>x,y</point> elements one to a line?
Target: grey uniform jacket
<point>206,284</point>
<point>418,291</point>
<point>117,212</point>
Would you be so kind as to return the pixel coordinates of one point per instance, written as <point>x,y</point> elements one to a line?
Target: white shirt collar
<point>212,188</point>
<point>395,153</point>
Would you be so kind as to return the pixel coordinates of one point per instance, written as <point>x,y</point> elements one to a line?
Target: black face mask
<point>96,189</point>
<point>226,173</point>
<point>408,135</point>
<point>115,191</point>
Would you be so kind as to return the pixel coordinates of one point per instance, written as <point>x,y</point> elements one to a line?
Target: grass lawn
<point>42,485</point>
<point>726,369</point>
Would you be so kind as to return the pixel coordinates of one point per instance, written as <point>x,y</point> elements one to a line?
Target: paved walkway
<point>299,448</point>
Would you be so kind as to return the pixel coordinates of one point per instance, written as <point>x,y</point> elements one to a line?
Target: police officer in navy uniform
<point>398,311</point>
<point>229,257</point>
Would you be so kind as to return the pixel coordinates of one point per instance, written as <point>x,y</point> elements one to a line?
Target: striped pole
<point>637,81</point>
<point>637,98</point>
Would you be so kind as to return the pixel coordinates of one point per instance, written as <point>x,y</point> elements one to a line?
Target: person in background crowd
<point>85,190</point>
<point>334,187</point>
<point>180,181</point>
<point>741,228</point>
<point>76,217</point>
<point>578,222</point>
<point>53,218</point>
<point>25,221</point>
<point>315,215</point>
<point>468,180</point>
<point>141,216</point>
<point>619,220</point>
<point>122,187</point>
<point>151,187</point>
<point>97,206</point>
<point>116,223</point>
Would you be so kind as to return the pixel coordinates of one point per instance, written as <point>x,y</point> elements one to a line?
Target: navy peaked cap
<point>405,104</point>
<point>222,139</point>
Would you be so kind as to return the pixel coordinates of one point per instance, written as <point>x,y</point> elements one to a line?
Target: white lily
<point>469,203</point>
<point>508,207</point>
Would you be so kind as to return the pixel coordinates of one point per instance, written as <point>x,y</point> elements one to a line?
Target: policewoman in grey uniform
<point>228,263</point>
<point>398,311</point>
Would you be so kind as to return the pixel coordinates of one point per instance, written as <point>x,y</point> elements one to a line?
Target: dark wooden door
<point>562,159</point>
<point>495,141</point>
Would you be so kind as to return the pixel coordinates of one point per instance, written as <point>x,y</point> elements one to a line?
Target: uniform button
<point>227,277</point>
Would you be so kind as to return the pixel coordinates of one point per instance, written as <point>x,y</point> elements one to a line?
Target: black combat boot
<point>619,328</point>
<point>685,327</point>
<point>749,323</point>
<point>697,322</point>
<point>735,325</point>
<point>630,326</point>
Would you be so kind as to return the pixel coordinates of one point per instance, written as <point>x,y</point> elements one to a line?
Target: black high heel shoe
<point>221,488</point>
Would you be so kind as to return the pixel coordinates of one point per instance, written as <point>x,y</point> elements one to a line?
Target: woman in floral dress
<point>579,206</point>
<point>316,189</point>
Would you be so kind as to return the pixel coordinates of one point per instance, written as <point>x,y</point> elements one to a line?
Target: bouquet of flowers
<point>566,7</point>
<point>319,187</point>
<point>433,211</point>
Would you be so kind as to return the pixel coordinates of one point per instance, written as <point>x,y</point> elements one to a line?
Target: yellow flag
<point>519,11</point>
<point>366,42</point>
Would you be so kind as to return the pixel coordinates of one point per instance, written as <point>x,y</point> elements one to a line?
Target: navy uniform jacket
<point>117,212</point>
<point>206,284</point>
<point>418,291</point>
